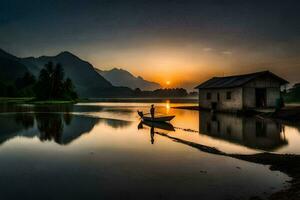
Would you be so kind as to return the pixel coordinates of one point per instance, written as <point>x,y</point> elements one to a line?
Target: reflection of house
<point>247,91</point>
<point>250,132</point>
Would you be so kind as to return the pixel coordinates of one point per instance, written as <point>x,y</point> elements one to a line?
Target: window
<point>228,95</point>
<point>208,96</point>
<point>218,96</point>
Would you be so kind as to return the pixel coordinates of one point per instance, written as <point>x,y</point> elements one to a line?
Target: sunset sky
<point>183,42</point>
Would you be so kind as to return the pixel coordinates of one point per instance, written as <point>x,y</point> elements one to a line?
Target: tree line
<point>167,92</point>
<point>292,94</point>
<point>49,85</point>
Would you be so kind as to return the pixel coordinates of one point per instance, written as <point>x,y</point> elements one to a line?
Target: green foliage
<point>168,92</point>
<point>52,85</point>
<point>27,80</point>
<point>8,90</point>
<point>293,95</point>
<point>25,85</point>
<point>69,89</point>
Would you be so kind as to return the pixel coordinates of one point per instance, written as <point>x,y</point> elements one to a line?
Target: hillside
<point>87,81</point>
<point>11,67</point>
<point>120,77</point>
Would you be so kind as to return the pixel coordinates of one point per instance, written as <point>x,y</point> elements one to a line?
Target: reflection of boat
<point>161,125</point>
<point>163,118</point>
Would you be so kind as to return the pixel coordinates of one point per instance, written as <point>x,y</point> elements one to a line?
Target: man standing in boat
<point>152,111</point>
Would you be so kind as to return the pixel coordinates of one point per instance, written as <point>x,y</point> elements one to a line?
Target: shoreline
<point>288,114</point>
<point>31,100</point>
<point>285,163</point>
<point>143,100</point>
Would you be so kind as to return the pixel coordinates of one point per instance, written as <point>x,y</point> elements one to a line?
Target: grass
<point>15,99</point>
<point>32,100</point>
<point>53,102</point>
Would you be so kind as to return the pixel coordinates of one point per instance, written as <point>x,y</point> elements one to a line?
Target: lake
<point>103,151</point>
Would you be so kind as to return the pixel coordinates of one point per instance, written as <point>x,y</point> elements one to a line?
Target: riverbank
<point>290,113</point>
<point>286,163</point>
<point>31,100</point>
<point>187,107</point>
<point>143,100</point>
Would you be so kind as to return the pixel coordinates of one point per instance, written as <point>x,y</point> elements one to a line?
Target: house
<point>241,92</point>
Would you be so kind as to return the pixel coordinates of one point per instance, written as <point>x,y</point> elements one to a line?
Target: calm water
<point>100,150</point>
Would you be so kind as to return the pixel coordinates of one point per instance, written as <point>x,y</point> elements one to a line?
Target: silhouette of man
<point>152,134</point>
<point>152,111</point>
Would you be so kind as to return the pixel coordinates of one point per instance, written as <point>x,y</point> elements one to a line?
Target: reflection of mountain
<point>66,108</point>
<point>79,126</point>
<point>62,128</point>
<point>58,127</point>
<point>250,132</point>
<point>116,123</point>
<point>11,126</point>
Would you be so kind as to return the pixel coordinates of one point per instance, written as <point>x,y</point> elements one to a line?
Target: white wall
<point>235,103</point>
<point>242,97</point>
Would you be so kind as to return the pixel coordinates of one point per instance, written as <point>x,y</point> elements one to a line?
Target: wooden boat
<point>162,118</point>
<point>161,125</point>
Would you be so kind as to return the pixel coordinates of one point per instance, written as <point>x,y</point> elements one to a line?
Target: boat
<point>159,118</point>
<point>161,125</point>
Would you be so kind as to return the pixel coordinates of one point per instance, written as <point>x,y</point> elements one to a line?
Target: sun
<point>168,82</point>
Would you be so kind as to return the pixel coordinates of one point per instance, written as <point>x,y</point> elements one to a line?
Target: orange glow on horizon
<point>185,66</point>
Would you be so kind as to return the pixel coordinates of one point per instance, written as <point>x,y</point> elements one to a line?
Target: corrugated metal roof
<point>236,81</point>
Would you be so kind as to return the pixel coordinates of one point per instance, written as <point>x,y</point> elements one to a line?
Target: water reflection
<point>65,108</point>
<point>112,153</point>
<point>115,123</point>
<point>251,132</point>
<point>62,128</point>
<point>168,106</point>
<point>152,125</point>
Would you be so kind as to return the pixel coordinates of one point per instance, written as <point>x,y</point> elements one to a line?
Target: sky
<point>183,42</point>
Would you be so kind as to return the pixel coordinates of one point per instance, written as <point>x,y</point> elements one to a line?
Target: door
<point>261,97</point>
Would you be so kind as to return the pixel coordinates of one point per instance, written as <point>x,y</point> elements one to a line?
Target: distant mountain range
<point>121,77</point>
<point>82,73</point>
<point>87,81</point>
<point>11,67</point>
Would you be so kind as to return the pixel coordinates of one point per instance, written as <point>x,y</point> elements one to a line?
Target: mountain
<point>120,77</point>
<point>11,67</point>
<point>87,81</point>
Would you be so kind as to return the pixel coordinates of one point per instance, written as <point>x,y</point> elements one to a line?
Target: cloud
<point>227,52</point>
<point>207,49</point>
